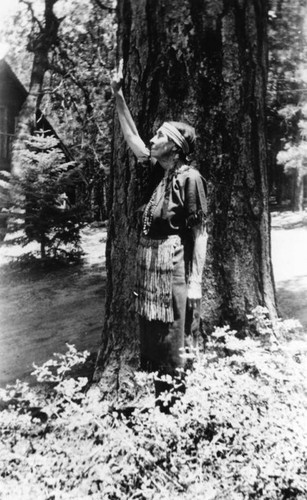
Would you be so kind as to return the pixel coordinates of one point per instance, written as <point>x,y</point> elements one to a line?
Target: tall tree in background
<point>42,38</point>
<point>80,102</point>
<point>75,96</point>
<point>287,96</point>
<point>204,62</point>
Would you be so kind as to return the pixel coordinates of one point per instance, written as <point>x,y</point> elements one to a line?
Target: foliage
<point>80,100</point>
<point>287,51</point>
<point>41,201</point>
<point>287,92</point>
<point>14,32</point>
<point>76,94</point>
<point>237,433</point>
<point>293,156</point>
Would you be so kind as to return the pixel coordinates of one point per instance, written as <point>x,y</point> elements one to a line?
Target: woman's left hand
<point>117,78</point>
<point>194,295</point>
<point>193,303</point>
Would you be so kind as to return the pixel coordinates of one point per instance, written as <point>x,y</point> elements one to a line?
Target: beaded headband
<point>174,134</point>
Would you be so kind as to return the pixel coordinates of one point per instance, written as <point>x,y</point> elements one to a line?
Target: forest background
<point>77,99</point>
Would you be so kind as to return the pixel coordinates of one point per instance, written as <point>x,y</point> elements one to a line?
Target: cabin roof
<point>8,77</point>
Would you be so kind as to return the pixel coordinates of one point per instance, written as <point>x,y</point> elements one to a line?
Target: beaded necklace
<point>155,200</point>
<point>151,205</point>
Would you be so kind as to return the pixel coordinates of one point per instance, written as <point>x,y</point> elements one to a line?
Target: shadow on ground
<point>41,311</point>
<point>292,299</point>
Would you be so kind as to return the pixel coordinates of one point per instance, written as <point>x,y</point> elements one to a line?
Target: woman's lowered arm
<point>128,127</point>
<point>198,261</point>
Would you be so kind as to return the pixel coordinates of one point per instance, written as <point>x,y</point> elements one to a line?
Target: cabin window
<point>3,133</point>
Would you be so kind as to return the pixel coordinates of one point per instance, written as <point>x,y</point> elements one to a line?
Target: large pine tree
<point>204,62</point>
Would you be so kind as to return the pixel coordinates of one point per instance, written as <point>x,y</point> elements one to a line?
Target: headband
<point>174,134</point>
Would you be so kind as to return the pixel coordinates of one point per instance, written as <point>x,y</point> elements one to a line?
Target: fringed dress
<point>164,261</point>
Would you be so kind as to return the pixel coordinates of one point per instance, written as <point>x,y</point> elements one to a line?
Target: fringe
<point>154,278</point>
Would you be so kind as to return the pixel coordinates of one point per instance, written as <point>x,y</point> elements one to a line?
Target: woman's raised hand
<point>117,77</point>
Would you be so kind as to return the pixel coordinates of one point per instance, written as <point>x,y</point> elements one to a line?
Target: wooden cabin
<point>12,96</point>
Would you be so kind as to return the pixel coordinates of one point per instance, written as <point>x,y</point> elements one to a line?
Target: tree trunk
<point>43,247</point>
<point>40,46</point>
<point>298,190</point>
<point>203,62</point>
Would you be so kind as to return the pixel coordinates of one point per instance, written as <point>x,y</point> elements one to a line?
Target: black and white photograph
<point>153,249</point>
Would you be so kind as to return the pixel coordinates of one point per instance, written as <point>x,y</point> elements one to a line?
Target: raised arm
<point>128,127</point>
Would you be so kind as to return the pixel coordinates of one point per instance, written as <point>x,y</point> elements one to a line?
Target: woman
<point>172,246</point>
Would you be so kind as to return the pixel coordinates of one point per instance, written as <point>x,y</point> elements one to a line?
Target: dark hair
<point>188,133</point>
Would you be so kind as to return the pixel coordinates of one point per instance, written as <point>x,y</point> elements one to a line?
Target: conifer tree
<point>40,190</point>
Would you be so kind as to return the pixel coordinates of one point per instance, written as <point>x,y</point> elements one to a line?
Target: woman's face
<point>161,146</point>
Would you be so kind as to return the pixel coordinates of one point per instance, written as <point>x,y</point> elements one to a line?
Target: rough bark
<point>40,45</point>
<point>204,62</point>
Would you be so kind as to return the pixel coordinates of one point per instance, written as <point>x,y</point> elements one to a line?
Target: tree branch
<point>104,7</point>
<point>31,10</point>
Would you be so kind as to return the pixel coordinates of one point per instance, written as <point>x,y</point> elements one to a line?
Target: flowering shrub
<point>238,432</point>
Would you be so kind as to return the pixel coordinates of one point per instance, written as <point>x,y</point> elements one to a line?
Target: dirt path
<point>40,313</point>
<point>289,256</point>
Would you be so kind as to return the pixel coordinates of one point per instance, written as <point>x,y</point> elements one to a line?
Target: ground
<point>289,246</point>
<point>41,312</point>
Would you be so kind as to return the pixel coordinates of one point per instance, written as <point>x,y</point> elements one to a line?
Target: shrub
<point>41,202</point>
<point>237,433</point>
